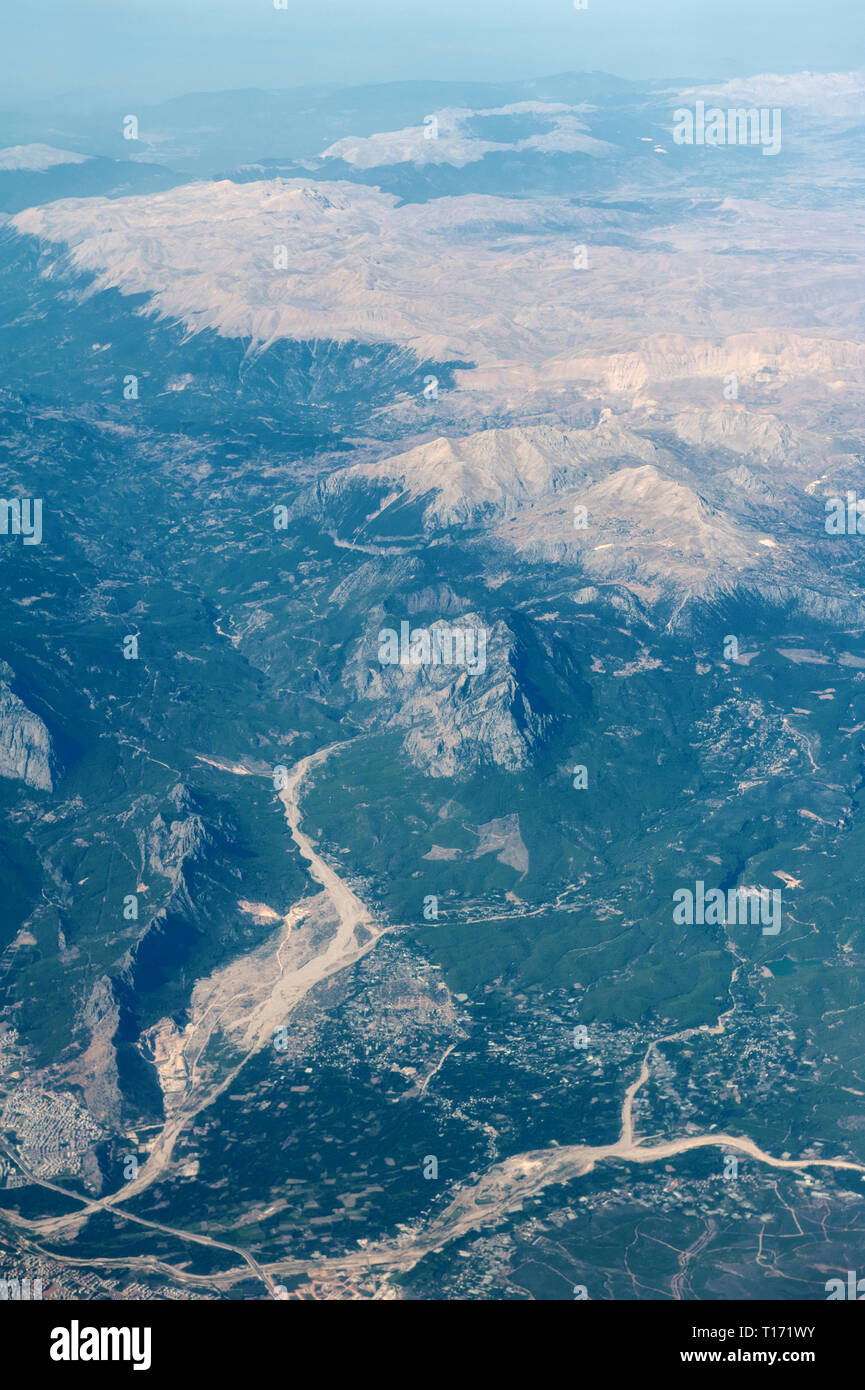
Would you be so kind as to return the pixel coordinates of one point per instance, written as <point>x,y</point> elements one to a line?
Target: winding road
<point>500,1191</point>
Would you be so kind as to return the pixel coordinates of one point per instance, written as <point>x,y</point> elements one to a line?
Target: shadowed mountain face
<point>433,612</point>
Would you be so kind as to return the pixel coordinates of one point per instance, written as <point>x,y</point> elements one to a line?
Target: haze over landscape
<point>432,679</point>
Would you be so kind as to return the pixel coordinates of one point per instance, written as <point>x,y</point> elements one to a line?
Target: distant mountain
<point>37,157</point>
<point>31,175</point>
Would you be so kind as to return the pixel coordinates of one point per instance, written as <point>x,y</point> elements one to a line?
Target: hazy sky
<point>150,49</point>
